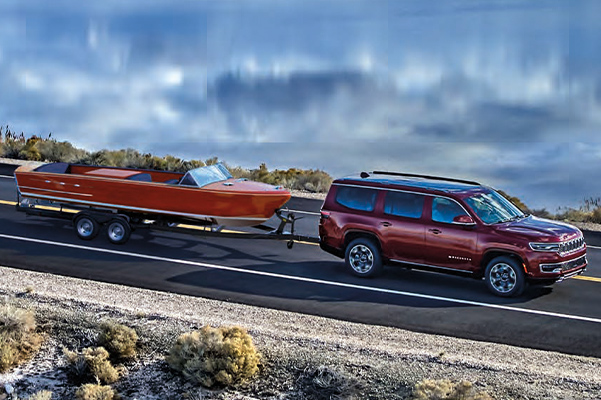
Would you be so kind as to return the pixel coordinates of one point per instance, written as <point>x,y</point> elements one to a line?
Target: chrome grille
<point>571,245</point>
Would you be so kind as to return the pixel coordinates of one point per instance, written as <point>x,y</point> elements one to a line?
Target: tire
<point>118,231</point>
<point>504,277</point>
<point>362,258</point>
<point>86,227</point>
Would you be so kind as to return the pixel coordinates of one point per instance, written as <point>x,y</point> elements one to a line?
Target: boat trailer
<point>89,221</point>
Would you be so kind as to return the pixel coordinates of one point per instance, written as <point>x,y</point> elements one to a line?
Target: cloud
<point>501,92</point>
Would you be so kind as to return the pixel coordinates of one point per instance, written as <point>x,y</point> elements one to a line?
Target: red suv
<point>445,225</point>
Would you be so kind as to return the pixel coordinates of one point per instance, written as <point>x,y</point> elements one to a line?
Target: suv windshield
<point>492,208</point>
<point>206,175</point>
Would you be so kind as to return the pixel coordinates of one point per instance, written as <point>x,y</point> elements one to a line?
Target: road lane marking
<point>307,280</point>
<point>7,177</point>
<point>588,278</point>
<point>9,203</point>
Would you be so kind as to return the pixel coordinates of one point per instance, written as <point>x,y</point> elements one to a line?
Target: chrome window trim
<point>414,192</point>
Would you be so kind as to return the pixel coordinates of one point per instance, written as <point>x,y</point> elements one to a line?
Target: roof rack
<point>439,178</point>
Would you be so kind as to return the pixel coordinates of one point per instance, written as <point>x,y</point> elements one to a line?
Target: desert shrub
<point>42,395</point>
<point>18,337</point>
<point>323,383</point>
<point>215,356</point>
<point>91,363</point>
<point>119,340</point>
<point>596,217</point>
<point>53,151</point>
<point>94,392</point>
<point>572,214</point>
<point>445,389</point>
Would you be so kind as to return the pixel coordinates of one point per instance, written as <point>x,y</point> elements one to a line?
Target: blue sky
<point>503,91</point>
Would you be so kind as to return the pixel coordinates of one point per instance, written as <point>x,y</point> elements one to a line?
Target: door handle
<point>435,231</point>
<point>385,224</point>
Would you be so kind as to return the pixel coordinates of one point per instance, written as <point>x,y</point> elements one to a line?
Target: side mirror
<point>463,220</point>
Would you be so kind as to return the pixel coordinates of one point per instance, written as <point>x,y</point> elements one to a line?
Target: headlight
<point>545,246</point>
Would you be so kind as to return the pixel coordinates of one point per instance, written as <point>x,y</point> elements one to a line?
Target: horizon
<point>507,93</point>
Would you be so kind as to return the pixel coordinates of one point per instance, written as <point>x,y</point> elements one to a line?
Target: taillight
<point>325,214</point>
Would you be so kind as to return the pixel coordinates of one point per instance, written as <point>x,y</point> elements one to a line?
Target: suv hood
<point>540,229</point>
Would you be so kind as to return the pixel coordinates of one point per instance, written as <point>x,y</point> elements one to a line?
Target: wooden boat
<point>206,193</point>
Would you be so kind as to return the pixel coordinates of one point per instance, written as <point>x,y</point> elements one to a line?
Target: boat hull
<point>243,204</point>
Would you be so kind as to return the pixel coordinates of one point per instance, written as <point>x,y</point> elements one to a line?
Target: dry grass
<point>119,340</point>
<point>445,389</point>
<point>323,383</point>
<point>92,364</point>
<point>94,392</point>
<point>43,395</point>
<point>215,356</point>
<point>19,340</point>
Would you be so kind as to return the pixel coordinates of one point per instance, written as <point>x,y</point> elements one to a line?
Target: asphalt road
<point>565,317</point>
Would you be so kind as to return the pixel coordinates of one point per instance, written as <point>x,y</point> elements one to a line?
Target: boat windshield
<point>492,208</point>
<point>205,175</point>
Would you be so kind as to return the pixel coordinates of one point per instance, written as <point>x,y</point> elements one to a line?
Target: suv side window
<point>362,199</point>
<point>444,210</point>
<point>401,204</point>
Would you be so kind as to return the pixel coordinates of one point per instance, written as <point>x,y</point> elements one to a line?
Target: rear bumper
<point>332,250</point>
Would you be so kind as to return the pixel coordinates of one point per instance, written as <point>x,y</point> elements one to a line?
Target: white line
<point>309,280</point>
<point>593,247</point>
<point>7,177</point>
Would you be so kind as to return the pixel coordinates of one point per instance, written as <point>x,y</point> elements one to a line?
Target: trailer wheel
<point>86,227</point>
<point>118,231</point>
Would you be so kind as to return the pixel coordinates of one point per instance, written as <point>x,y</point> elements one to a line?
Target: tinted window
<point>356,198</point>
<point>404,204</point>
<point>444,210</point>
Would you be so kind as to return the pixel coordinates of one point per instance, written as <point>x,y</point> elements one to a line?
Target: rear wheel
<point>504,277</point>
<point>118,231</point>
<point>362,258</point>
<point>86,227</point>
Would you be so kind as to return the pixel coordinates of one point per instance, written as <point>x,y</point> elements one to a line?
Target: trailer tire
<point>86,227</point>
<point>118,231</point>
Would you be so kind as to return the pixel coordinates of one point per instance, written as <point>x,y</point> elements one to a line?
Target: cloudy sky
<point>507,92</point>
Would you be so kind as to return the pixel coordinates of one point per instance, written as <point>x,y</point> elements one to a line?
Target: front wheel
<point>362,258</point>
<point>118,231</point>
<point>504,277</point>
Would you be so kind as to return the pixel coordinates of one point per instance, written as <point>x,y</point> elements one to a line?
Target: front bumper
<point>564,267</point>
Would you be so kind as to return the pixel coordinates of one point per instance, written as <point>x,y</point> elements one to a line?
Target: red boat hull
<point>232,202</point>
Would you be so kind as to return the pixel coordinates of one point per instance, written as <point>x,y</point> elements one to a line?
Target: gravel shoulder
<point>377,362</point>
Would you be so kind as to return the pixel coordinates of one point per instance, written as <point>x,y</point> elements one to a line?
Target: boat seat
<point>55,168</point>
<point>142,177</point>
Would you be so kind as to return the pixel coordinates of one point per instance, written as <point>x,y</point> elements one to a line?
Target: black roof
<point>427,182</point>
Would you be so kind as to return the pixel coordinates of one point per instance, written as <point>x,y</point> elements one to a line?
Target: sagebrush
<point>445,389</point>
<point>215,356</point>
<point>92,364</point>
<point>95,392</point>
<point>19,340</point>
<point>119,340</point>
